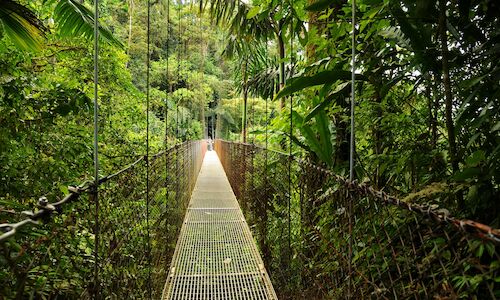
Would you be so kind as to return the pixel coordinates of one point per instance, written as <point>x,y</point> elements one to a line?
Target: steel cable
<point>96,145</point>
<point>399,249</point>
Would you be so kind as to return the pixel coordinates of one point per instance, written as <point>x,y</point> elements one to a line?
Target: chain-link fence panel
<point>110,245</point>
<point>322,236</point>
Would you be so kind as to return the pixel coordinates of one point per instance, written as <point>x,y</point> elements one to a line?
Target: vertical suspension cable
<point>177,177</point>
<point>96,152</point>
<point>186,131</point>
<point>148,62</point>
<point>290,146</point>
<point>353,98</point>
<point>267,113</point>
<point>266,169</point>
<point>179,44</point>
<point>167,89</point>
<point>202,66</point>
<point>253,120</point>
<point>167,94</point>
<point>352,146</point>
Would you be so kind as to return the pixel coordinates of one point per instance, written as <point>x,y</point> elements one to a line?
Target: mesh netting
<point>322,236</point>
<point>135,229</point>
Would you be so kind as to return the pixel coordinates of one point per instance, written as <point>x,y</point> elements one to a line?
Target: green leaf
<point>75,19</point>
<point>300,144</point>
<point>312,140</point>
<point>301,82</point>
<point>496,127</point>
<point>467,173</point>
<point>473,192</point>
<point>321,146</point>
<point>22,26</point>
<point>490,248</point>
<point>308,134</point>
<point>387,87</point>
<point>418,37</point>
<point>64,189</point>
<point>475,158</point>
<point>480,251</point>
<point>14,204</point>
<point>321,5</point>
<point>253,12</point>
<point>278,15</point>
<point>446,254</point>
<point>341,89</point>
<point>453,30</point>
<point>325,137</point>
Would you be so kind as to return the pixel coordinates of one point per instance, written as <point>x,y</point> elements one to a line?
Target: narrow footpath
<point>216,256</point>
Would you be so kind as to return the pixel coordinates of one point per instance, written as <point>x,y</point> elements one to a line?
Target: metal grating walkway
<point>216,256</point>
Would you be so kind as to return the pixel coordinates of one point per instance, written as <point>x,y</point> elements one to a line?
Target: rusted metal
<point>59,250</point>
<point>216,256</point>
<point>400,250</point>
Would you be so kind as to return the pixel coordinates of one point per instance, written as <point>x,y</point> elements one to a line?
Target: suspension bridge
<point>184,236</point>
<point>215,255</point>
<point>243,222</point>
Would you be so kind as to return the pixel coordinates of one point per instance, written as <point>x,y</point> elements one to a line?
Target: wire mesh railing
<point>133,229</point>
<point>322,236</point>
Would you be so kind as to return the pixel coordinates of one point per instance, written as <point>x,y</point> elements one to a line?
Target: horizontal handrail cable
<point>46,209</point>
<point>400,249</point>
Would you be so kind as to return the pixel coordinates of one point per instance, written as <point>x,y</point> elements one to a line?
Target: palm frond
<point>262,68</point>
<point>233,13</point>
<point>21,25</point>
<point>75,19</point>
<point>252,29</point>
<point>222,10</point>
<point>225,115</point>
<point>263,74</point>
<point>265,82</point>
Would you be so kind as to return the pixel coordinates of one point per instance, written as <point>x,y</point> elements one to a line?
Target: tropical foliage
<point>46,111</point>
<point>426,82</point>
<point>426,110</point>
<point>275,73</point>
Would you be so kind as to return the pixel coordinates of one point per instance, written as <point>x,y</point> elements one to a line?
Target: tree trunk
<point>448,98</point>
<point>130,19</point>
<point>378,138</point>
<point>341,154</point>
<point>312,17</point>
<point>447,87</point>
<point>245,100</point>
<point>281,48</point>
<point>432,95</point>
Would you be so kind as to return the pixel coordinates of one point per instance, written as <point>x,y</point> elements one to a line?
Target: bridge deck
<point>216,256</point>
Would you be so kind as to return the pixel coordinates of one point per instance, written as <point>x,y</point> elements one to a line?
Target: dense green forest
<point>272,73</point>
<point>46,93</point>
<point>428,81</point>
<point>427,112</point>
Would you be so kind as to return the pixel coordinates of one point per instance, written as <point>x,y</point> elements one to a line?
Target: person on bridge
<point>210,145</point>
